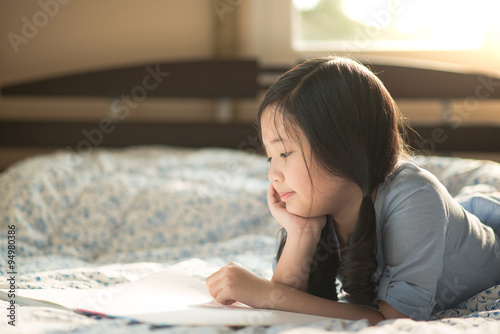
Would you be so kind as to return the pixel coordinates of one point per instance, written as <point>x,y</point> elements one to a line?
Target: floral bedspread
<point>113,216</point>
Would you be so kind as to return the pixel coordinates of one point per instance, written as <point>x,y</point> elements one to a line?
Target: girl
<point>352,208</point>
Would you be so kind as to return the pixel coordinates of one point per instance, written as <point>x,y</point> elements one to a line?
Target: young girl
<point>353,208</point>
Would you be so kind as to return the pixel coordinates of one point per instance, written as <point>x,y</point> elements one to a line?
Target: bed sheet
<point>105,217</point>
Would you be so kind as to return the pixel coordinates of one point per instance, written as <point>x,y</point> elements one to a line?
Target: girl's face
<point>288,173</point>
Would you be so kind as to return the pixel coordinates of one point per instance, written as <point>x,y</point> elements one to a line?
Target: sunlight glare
<point>370,13</point>
<point>443,24</point>
<point>306,5</point>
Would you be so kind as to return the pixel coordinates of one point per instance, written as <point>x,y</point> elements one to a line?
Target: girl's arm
<point>296,259</point>
<point>293,300</point>
<point>303,235</point>
<point>236,283</point>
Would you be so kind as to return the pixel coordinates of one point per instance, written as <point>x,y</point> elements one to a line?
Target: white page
<point>158,292</point>
<point>170,297</point>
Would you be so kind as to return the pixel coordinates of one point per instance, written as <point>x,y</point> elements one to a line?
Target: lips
<point>285,195</point>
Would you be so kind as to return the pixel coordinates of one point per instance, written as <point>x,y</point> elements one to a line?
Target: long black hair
<point>355,131</point>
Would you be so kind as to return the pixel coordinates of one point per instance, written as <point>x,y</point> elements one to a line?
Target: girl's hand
<point>235,283</point>
<point>293,224</point>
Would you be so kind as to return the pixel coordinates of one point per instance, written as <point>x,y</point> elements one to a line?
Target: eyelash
<point>283,155</point>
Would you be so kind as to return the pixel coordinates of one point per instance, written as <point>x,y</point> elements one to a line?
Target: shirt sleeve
<point>413,245</point>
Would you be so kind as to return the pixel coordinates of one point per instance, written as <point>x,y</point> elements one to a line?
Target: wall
<point>53,37</point>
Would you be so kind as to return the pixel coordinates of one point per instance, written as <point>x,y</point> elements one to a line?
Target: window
<point>376,25</point>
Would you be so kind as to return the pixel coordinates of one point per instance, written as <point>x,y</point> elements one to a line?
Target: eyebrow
<point>274,141</point>
<point>277,140</point>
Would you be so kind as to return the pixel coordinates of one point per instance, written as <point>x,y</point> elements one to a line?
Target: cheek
<point>326,194</point>
<point>299,177</point>
<point>304,203</point>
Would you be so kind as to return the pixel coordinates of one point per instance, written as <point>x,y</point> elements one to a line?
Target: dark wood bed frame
<point>233,79</point>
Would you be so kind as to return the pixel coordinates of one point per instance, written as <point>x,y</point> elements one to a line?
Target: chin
<point>297,211</point>
<point>304,212</point>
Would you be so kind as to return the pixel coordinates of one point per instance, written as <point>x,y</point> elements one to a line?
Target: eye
<point>285,155</point>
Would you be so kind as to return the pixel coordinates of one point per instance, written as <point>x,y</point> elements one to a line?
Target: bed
<point>188,195</point>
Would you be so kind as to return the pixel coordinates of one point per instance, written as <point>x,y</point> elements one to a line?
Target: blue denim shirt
<point>432,253</point>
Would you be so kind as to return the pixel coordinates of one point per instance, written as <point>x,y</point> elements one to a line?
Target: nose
<point>275,174</point>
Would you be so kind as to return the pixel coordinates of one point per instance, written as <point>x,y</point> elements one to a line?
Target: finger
<point>271,195</point>
<point>220,292</point>
<point>222,299</point>
<point>273,199</point>
<point>214,278</point>
<point>217,284</point>
<point>210,280</point>
<point>214,286</point>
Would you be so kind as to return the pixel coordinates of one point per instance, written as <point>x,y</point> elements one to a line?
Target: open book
<point>169,297</point>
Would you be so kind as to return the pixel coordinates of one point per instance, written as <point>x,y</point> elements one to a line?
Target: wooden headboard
<point>226,80</point>
<point>222,80</point>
